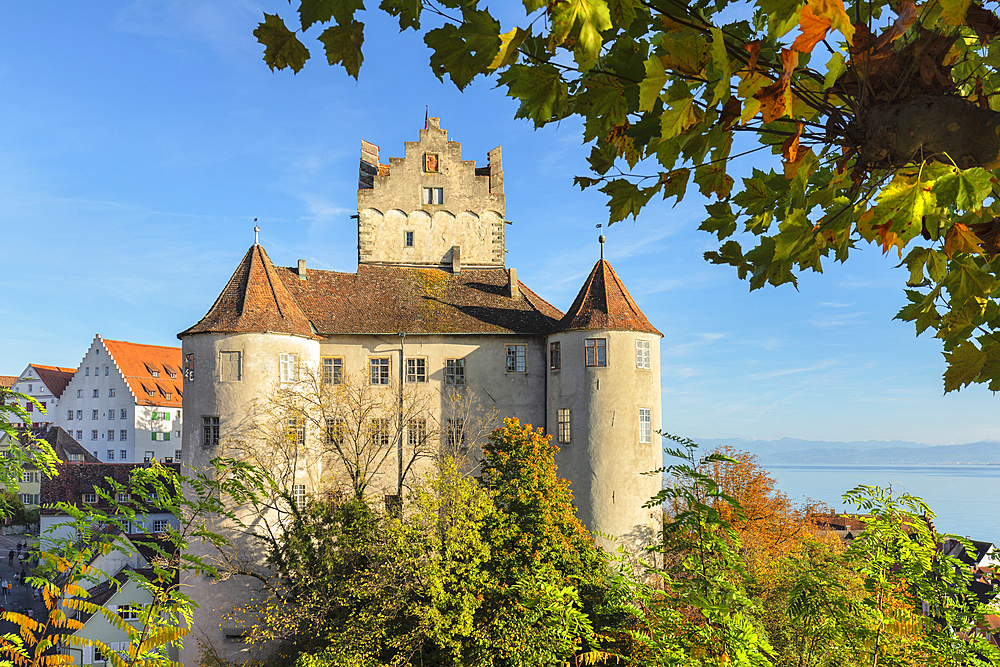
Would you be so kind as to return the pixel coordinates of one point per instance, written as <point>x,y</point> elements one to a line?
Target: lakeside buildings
<point>431,306</point>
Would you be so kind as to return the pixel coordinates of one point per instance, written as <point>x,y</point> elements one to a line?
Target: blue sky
<point>139,140</point>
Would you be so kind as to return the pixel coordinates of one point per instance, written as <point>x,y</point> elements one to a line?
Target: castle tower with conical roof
<point>603,407</point>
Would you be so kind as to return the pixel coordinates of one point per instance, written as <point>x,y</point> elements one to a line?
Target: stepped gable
<point>254,301</point>
<point>54,377</point>
<point>391,299</point>
<point>604,303</point>
<point>153,372</point>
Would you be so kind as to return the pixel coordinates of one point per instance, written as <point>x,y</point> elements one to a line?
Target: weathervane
<point>601,240</point>
<point>256,231</point>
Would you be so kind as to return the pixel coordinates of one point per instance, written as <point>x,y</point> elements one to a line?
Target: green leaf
<point>964,364</point>
<point>903,202</point>
<point>582,19</point>
<point>953,11</point>
<point>684,51</point>
<point>794,235</point>
<point>541,91</point>
<point>965,188</point>
<point>721,221</point>
<point>626,198</point>
<point>834,68</point>
<point>915,261</point>
<point>675,184</point>
<point>730,253</point>
<point>966,280</point>
<point>343,46</point>
<point>678,117</point>
<point>782,15</point>
<point>622,12</point>
<point>321,11</point>
<point>408,12</point>
<point>464,51</point>
<point>712,178</point>
<point>652,83</point>
<point>723,68</point>
<point>281,47</point>
<point>509,43</point>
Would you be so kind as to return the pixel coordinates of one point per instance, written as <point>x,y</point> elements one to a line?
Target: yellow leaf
<point>833,10</point>
<point>961,239</point>
<point>509,43</point>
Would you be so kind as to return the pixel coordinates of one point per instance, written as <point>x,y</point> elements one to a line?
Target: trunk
<point>941,128</point>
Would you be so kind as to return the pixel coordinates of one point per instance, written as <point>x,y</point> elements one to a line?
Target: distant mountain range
<point>790,451</point>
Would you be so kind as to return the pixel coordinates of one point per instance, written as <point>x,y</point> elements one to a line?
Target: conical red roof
<point>604,303</point>
<point>254,301</point>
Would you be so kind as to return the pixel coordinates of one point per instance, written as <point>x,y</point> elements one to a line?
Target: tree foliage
<point>882,118</point>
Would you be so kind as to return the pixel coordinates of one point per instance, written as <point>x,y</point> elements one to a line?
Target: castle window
<point>94,413</point>
<point>296,432</point>
<point>106,369</point>
<point>299,495</point>
<point>210,429</point>
<point>431,163</point>
<point>416,370</point>
<point>69,415</point>
<point>111,434</point>
<point>378,434</point>
<point>515,358</point>
<point>111,455</point>
<point>334,431</point>
<point>408,239</point>
<point>111,414</point>
<point>97,393</point>
<point>454,371</point>
<point>416,433</point>
<point>333,370</point>
<point>231,366</point>
<point>123,413</point>
<point>289,367</point>
<point>455,432</point>
<point>123,454</point>
<point>433,195</point>
<point>123,435</point>
<point>596,351</point>
<point>645,425</point>
<point>555,357</point>
<point>90,498</point>
<point>111,393</point>
<point>379,370</point>
<point>642,354</point>
<point>79,393</point>
<point>79,415</point>
<point>563,419</point>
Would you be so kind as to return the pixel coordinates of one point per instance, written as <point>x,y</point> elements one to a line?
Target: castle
<point>433,305</point>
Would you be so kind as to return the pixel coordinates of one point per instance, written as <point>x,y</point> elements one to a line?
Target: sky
<point>139,140</point>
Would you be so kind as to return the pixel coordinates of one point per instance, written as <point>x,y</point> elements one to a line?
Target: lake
<point>964,497</point>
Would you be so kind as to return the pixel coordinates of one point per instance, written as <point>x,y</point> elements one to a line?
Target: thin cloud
<point>792,371</point>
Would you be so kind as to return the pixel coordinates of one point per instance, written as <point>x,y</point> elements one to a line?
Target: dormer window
<point>156,374</point>
<point>433,195</point>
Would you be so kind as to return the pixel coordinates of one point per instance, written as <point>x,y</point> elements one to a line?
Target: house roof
<point>63,444</point>
<point>7,381</point>
<point>76,479</point>
<point>254,300</point>
<point>393,299</point>
<point>138,363</point>
<point>604,303</point>
<point>375,300</point>
<point>54,377</point>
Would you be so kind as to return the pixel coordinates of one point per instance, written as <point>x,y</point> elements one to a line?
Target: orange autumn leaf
<point>753,48</point>
<point>888,239</point>
<point>776,98</point>
<point>961,239</point>
<point>813,27</point>
<point>790,147</point>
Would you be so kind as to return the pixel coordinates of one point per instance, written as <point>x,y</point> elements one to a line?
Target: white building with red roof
<point>124,402</point>
<point>432,306</point>
<point>46,385</point>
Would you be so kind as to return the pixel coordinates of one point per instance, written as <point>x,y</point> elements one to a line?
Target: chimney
<point>456,259</point>
<point>302,269</point>
<point>514,288</point>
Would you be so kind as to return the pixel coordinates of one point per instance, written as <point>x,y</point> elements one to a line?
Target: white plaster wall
<point>29,383</point>
<point>604,459</point>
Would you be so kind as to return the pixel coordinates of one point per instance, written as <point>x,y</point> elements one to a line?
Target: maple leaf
<point>964,364</point>
<point>626,198</point>
<point>509,42</point>
<point>678,117</point>
<point>776,98</point>
<point>281,47</point>
<point>674,183</point>
<point>685,51</point>
<point>464,51</point>
<point>343,45</point>
<point>813,29</point>
<point>582,19</point>
<point>790,147</point>
<point>321,11</point>
<point>966,188</point>
<point>713,178</point>
<point>961,239</point>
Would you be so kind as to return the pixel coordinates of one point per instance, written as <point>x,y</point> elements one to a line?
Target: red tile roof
<point>137,364</point>
<point>375,300</point>
<point>392,299</point>
<point>254,300</point>
<point>7,381</point>
<point>54,377</point>
<point>604,303</point>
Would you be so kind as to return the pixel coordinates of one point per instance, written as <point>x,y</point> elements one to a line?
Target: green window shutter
<point>166,437</point>
<point>152,436</point>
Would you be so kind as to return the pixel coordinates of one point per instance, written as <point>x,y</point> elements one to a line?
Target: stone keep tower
<point>603,407</point>
<point>430,208</point>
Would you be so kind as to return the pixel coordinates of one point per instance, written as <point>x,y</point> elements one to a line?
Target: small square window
<point>296,432</point>
<point>454,372</point>
<point>69,415</point>
<point>79,435</point>
<point>416,433</point>
<point>379,370</point>
<point>155,374</point>
<point>333,370</point>
<point>408,239</point>
<point>106,369</point>
<point>596,349</point>
<point>111,414</point>
<point>149,456</point>
<point>177,455</point>
<point>433,195</point>
<point>416,370</point>
<point>123,497</point>
<point>86,371</point>
<point>455,432</point>
<point>123,454</point>
<point>160,525</point>
<point>334,431</point>
<point>30,388</point>
<point>378,435</point>
<point>515,358</point>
